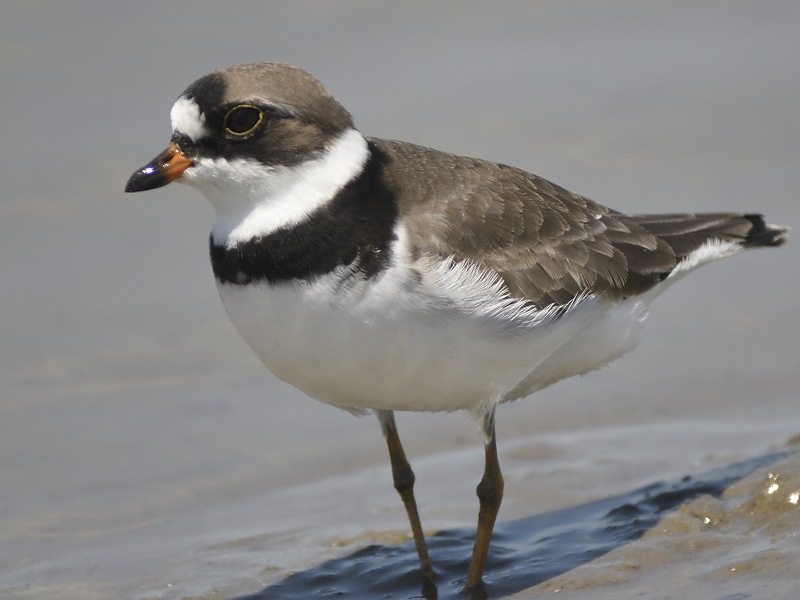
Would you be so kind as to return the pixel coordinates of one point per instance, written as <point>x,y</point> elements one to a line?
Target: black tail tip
<point>762,234</point>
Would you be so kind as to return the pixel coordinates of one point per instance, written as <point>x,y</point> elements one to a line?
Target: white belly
<point>437,338</point>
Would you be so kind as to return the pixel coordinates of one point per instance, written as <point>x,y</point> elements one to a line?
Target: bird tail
<point>761,234</point>
<point>686,233</point>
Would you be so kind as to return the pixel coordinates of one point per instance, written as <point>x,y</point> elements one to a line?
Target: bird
<point>379,276</point>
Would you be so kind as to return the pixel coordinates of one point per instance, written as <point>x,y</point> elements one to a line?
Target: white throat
<point>253,200</point>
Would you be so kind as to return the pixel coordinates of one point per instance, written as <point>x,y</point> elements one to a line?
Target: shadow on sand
<point>524,552</point>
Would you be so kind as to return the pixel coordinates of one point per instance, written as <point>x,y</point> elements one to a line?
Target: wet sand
<point>144,453</point>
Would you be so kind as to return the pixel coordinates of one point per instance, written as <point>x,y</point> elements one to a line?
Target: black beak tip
<point>146,178</point>
<point>134,182</point>
<point>164,168</point>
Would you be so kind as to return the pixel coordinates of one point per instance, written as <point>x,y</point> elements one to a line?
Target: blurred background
<point>136,428</point>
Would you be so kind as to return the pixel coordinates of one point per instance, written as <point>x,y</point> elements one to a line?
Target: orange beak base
<point>166,167</point>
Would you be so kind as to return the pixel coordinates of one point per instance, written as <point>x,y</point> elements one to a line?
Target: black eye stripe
<point>243,119</point>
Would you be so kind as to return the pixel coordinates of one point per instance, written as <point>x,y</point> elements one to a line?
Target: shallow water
<point>575,502</point>
<point>144,453</point>
<point>538,549</point>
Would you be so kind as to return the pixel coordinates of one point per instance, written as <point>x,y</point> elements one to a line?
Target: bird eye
<point>243,119</point>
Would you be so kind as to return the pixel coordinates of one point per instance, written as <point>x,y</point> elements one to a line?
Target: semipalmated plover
<point>377,275</point>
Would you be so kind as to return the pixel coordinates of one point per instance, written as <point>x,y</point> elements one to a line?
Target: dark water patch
<point>524,552</point>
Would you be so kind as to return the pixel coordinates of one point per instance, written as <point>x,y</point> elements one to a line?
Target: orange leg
<point>404,484</point>
<point>490,495</point>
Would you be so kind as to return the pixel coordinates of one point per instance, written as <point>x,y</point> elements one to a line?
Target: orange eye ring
<point>243,120</point>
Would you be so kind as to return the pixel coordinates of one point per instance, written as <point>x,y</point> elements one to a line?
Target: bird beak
<point>164,168</point>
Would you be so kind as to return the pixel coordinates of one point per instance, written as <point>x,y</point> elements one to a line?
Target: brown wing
<point>546,243</point>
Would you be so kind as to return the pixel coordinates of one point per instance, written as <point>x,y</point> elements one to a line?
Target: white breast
<point>423,336</point>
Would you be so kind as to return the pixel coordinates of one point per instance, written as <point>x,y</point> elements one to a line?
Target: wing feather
<point>547,244</point>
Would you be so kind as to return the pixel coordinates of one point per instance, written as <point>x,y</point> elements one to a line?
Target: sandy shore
<point>144,453</point>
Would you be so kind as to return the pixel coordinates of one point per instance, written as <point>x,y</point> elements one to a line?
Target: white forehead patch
<point>187,119</point>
